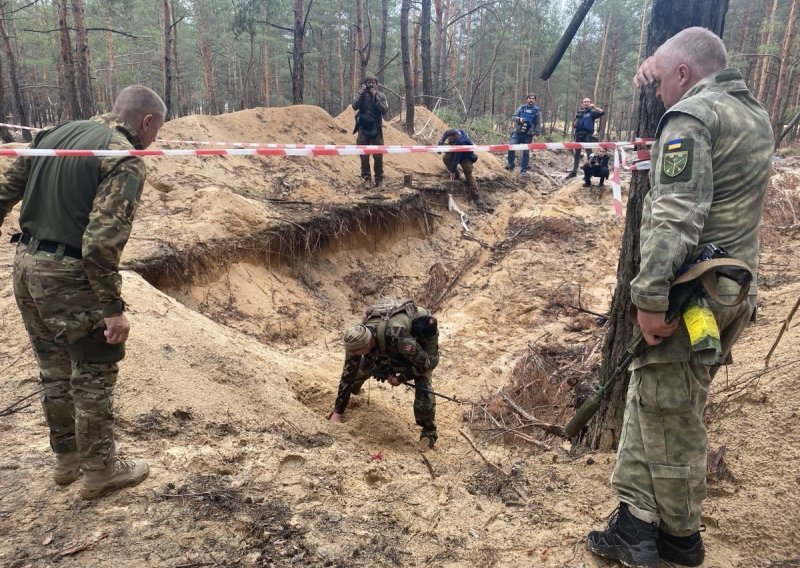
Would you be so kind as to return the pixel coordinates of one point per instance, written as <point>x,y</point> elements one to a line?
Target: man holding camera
<point>597,166</point>
<point>370,106</point>
<point>584,130</point>
<point>525,120</point>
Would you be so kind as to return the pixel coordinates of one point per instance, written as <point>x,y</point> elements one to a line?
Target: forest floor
<point>241,275</point>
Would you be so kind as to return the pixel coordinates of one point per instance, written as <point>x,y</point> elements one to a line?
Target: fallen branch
<point>549,428</point>
<point>429,466</point>
<point>15,407</point>
<point>496,467</point>
<point>75,547</point>
<point>784,327</point>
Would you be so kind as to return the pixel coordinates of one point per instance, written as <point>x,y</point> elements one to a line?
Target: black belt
<point>47,246</point>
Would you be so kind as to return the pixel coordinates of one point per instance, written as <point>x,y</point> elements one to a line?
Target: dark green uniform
<point>76,217</point>
<point>371,110</point>
<point>399,353</point>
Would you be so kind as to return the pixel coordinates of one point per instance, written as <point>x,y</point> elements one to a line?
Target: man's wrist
<point>114,309</point>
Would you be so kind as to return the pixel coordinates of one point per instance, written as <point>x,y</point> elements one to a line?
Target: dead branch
<point>784,327</point>
<point>16,406</point>
<point>549,428</point>
<point>429,466</point>
<point>495,467</point>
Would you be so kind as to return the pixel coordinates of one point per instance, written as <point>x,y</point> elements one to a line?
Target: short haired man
<point>526,123</point>
<point>76,217</point>
<point>711,163</point>
<point>597,166</point>
<point>583,130</point>
<point>371,106</point>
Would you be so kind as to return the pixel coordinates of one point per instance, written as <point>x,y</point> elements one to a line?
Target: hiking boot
<point>118,474</point>
<point>602,182</point>
<point>366,183</point>
<point>630,541</point>
<point>509,167</point>
<point>684,550</point>
<point>588,184</point>
<point>67,469</point>
<point>571,175</point>
<point>378,181</point>
<point>429,439</point>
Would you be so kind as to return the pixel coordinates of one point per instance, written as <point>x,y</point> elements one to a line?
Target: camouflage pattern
<point>63,300</point>
<point>115,201</point>
<point>60,310</point>
<point>466,165</point>
<point>711,164</point>
<point>405,356</point>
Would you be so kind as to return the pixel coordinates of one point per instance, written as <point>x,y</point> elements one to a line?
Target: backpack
<point>424,327</point>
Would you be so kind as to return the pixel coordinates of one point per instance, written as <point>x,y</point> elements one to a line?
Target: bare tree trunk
<point>22,116</point>
<point>415,61</point>
<point>438,49</point>
<point>363,38</point>
<point>298,67</point>
<point>342,94</point>
<point>82,57</point>
<point>179,102</point>
<point>69,99</point>
<point>265,64</point>
<point>382,48</point>
<point>425,39</point>
<point>5,135</point>
<point>666,20</point>
<point>112,73</point>
<point>778,101</point>
<point>766,64</point>
<point>405,8</point>
<point>168,77</point>
<point>602,53</point>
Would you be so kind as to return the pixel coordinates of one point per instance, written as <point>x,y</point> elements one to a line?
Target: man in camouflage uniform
<point>401,347</point>
<point>76,218</point>
<point>371,106</point>
<point>711,163</point>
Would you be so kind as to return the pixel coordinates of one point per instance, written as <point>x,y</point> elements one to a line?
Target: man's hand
<point>647,74</point>
<point>394,381</point>
<point>336,418</point>
<point>654,327</point>
<point>117,329</point>
<point>452,175</point>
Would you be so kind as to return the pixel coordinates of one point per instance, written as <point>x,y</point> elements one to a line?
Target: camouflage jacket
<point>116,197</point>
<point>403,354</point>
<point>711,163</point>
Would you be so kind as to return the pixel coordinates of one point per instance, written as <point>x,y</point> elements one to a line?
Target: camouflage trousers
<point>358,370</point>
<point>63,318</point>
<point>661,460</point>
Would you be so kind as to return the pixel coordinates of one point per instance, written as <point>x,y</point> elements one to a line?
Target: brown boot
<point>116,475</point>
<point>67,469</point>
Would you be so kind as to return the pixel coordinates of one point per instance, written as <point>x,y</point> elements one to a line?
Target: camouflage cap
<point>356,337</point>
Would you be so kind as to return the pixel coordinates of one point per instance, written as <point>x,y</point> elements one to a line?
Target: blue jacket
<point>584,120</point>
<point>529,114</point>
<point>462,139</point>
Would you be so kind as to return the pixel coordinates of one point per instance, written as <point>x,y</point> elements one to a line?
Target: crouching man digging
<point>397,342</point>
<point>710,168</point>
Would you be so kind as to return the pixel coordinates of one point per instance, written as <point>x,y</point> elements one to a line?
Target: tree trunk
<point>382,48</point>
<point>766,63</point>
<point>19,107</point>
<point>82,58</point>
<point>602,53</point>
<point>425,40</point>
<point>363,38</point>
<point>298,67</point>
<point>405,54</point>
<point>112,74</point>
<point>5,135</point>
<point>778,102</point>
<point>266,94</point>
<point>179,102</point>
<point>667,19</point>
<point>438,49</point>
<point>168,76</point>
<point>69,98</point>
<point>205,44</point>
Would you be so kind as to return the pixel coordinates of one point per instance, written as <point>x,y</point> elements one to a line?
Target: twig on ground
<point>549,428</point>
<point>480,453</point>
<point>429,466</point>
<point>784,327</point>
<point>16,407</point>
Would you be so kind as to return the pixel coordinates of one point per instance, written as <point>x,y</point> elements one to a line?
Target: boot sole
<point>66,479</point>
<point>611,555</point>
<point>89,495</point>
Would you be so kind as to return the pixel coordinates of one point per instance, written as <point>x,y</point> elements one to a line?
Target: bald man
<point>75,219</point>
<point>711,163</point>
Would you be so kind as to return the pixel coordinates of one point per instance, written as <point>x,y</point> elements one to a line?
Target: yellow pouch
<point>703,331</point>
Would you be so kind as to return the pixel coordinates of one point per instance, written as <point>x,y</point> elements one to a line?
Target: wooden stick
<point>784,327</point>
<point>480,453</point>
<point>549,428</point>
<point>429,466</point>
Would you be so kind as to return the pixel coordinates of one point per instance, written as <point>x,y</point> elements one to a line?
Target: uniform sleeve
<point>12,185</point>
<point>109,228</point>
<point>675,209</point>
<point>382,103</point>
<point>409,350</point>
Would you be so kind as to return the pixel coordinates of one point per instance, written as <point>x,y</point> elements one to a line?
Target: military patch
<point>408,348</point>
<point>130,187</point>
<point>676,160</point>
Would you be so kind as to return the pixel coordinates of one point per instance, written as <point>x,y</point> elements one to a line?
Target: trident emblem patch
<point>675,163</point>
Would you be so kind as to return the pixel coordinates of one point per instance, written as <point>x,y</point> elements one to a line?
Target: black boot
<point>627,539</point>
<point>684,550</point>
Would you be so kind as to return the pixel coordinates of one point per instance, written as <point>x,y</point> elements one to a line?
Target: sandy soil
<point>241,274</point>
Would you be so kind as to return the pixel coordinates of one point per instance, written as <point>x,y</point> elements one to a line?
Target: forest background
<point>472,61</point>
